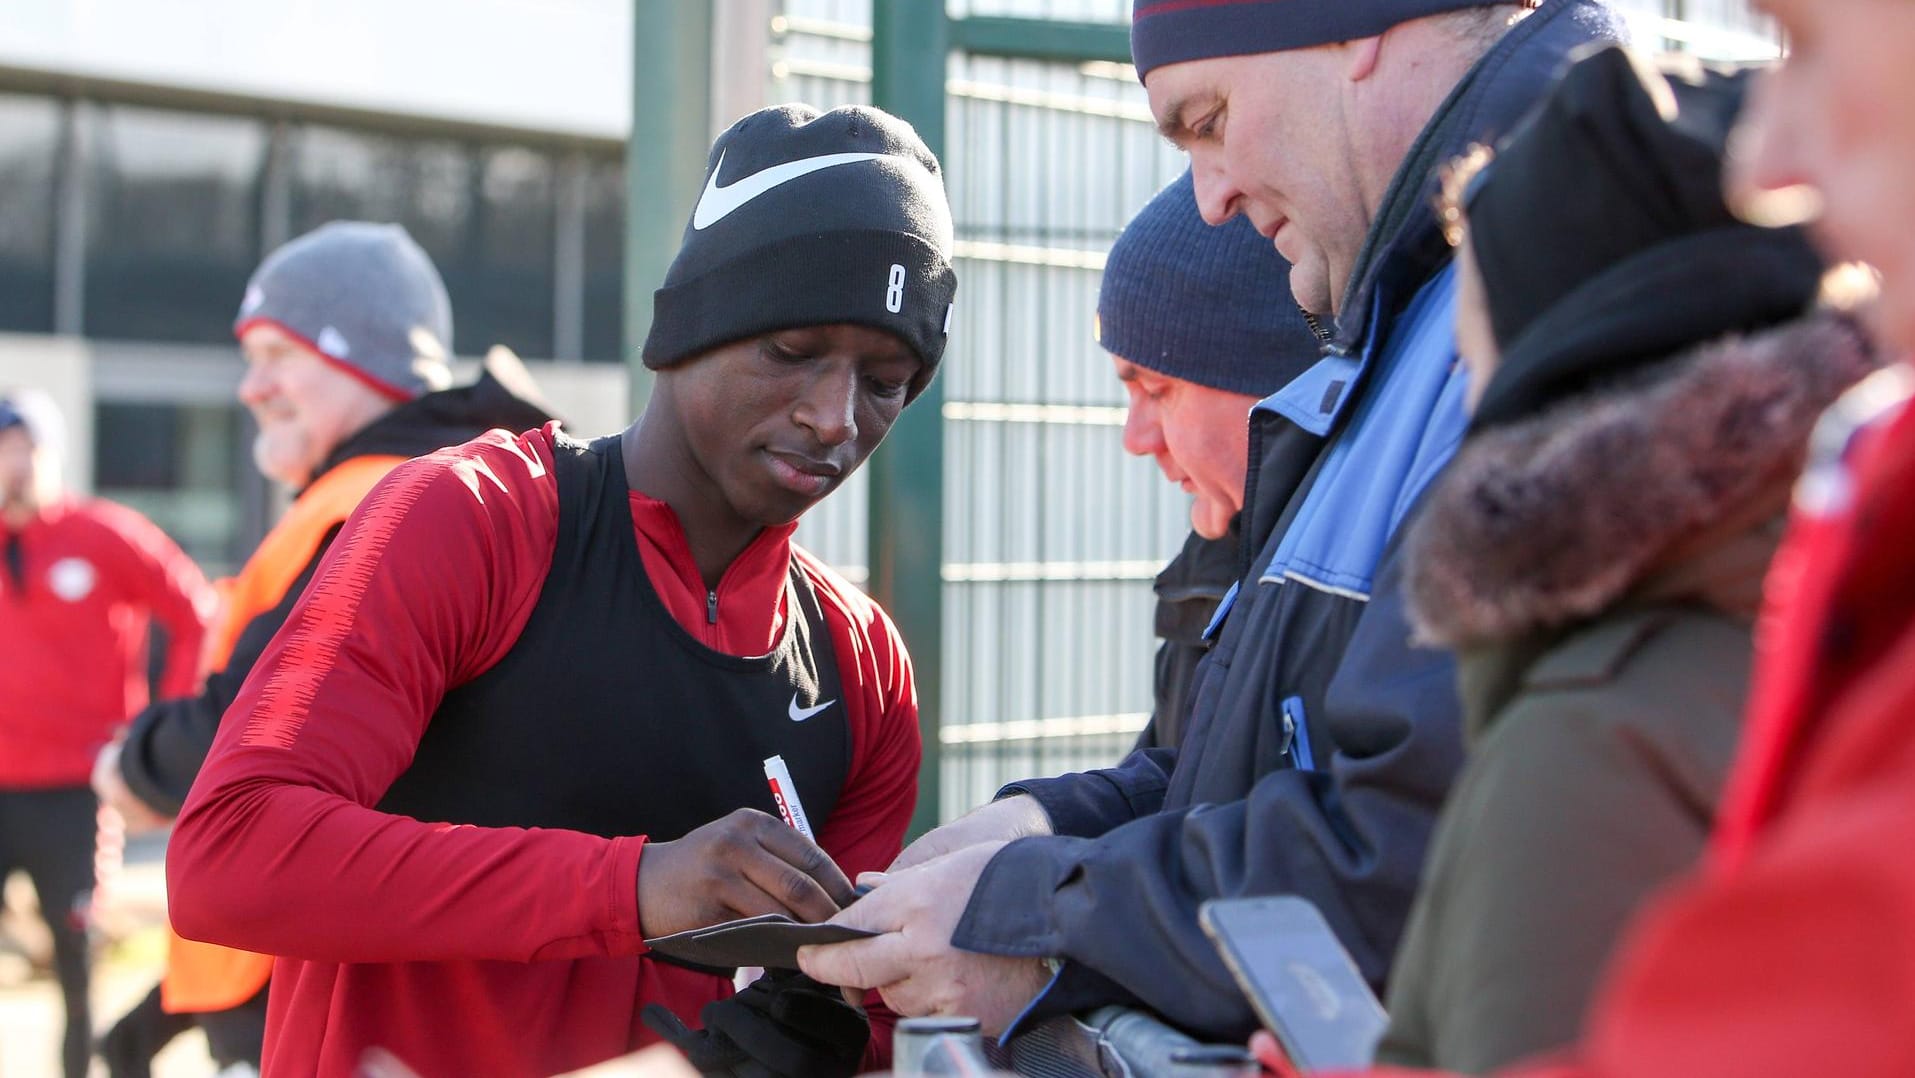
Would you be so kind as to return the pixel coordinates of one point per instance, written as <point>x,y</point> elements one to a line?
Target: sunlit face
<point>1199,436</point>
<point>1267,138</point>
<point>1475,340</point>
<point>775,423</point>
<point>1835,118</point>
<point>305,406</point>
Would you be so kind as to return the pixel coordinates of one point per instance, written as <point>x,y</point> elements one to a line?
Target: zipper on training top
<point>16,563</point>
<point>711,607</point>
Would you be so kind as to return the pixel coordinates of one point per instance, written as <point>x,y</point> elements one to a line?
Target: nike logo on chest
<point>800,714</point>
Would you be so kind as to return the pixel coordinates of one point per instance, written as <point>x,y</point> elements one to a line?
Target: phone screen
<point>1299,978</point>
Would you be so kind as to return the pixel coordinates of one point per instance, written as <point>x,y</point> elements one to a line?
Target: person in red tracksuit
<point>80,582</point>
<point>517,723</point>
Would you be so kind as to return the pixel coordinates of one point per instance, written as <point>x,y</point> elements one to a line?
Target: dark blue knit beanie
<point>1172,31</point>
<point>1206,305</point>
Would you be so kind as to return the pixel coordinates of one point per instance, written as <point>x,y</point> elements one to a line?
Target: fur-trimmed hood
<point>1548,521</point>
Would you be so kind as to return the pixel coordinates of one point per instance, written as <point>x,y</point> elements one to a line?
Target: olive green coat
<point>1598,570</point>
<point>1595,764</point>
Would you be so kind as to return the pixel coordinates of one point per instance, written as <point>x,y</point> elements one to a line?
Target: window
<point>186,467</point>
<point>29,146</point>
<point>484,214</point>
<point>505,275</point>
<point>172,222</point>
<point>605,261</point>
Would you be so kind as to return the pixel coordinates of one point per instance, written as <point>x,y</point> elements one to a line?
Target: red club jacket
<point>73,625</point>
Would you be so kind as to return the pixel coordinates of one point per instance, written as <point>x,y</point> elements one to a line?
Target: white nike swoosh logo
<point>715,203</point>
<point>800,714</point>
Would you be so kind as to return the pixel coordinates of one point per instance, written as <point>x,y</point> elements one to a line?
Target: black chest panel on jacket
<point>607,717</point>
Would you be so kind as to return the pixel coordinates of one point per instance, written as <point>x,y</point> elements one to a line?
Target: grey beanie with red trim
<point>1173,31</point>
<point>365,297</point>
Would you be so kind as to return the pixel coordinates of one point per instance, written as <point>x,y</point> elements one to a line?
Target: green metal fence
<point>1001,523</point>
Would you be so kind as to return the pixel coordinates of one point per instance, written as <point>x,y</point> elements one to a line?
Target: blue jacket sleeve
<point>1088,803</point>
<point>1121,909</point>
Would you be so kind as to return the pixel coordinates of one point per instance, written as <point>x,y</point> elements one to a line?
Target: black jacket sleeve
<point>167,742</point>
<point>1122,908</point>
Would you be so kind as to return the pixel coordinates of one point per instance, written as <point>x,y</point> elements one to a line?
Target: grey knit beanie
<point>1202,304</point>
<point>366,298</point>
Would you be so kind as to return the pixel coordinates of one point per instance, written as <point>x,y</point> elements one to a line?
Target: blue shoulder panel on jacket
<point>1406,426</point>
<point>1315,398</point>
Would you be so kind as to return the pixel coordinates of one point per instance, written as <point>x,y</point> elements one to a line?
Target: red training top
<point>469,950</point>
<point>73,634</point>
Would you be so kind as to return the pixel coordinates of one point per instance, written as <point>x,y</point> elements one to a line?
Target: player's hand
<point>109,785</point>
<point>744,865</point>
<point>1005,820</point>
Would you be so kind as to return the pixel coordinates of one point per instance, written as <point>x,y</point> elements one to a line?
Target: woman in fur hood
<point>1645,385</point>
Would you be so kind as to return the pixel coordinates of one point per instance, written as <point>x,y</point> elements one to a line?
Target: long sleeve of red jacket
<point>278,848</point>
<point>160,575</point>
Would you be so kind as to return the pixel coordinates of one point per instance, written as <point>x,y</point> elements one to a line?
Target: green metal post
<point>1042,39</point>
<point>665,159</point>
<point>909,43</point>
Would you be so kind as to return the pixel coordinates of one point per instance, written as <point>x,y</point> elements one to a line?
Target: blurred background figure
<point>1197,325</point>
<point>80,581</point>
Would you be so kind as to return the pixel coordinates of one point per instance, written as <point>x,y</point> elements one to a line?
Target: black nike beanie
<point>807,219</point>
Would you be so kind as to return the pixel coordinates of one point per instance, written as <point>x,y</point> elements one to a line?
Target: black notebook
<point>771,941</point>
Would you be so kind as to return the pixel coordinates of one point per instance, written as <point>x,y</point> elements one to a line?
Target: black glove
<point>783,1025</point>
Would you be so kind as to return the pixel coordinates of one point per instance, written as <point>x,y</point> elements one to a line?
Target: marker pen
<point>785,793</point>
